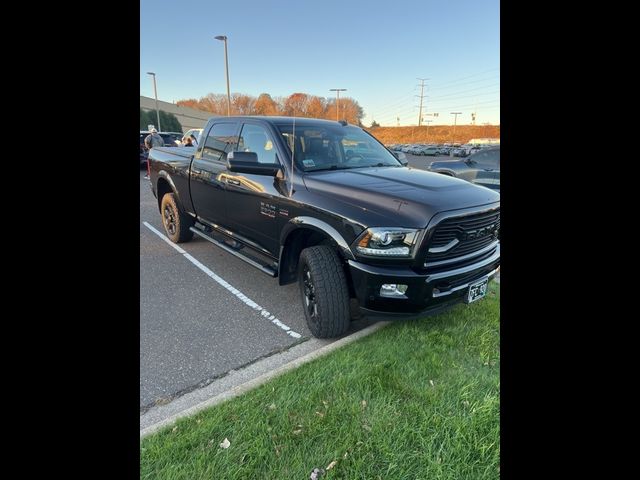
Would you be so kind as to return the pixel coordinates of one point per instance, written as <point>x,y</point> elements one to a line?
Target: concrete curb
<point>261,379</point>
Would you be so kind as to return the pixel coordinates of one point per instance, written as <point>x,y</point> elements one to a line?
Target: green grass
<point>415,400</point>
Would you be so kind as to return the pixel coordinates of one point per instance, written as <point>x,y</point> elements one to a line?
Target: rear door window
<point>220,140</point>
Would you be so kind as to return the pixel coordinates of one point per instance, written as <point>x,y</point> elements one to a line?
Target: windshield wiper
<point>375,165</point>
<point>340,167</point>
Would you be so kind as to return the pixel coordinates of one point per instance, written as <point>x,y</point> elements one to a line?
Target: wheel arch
<point>165,185</point>
<point>300,233</point>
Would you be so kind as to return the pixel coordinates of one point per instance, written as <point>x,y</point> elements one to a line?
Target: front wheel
<point>176,222</point>
<point>324,291</point>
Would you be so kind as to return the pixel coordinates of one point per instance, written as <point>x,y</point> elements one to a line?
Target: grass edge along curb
<point>261,379</point>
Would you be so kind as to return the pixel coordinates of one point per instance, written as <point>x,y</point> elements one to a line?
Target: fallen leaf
<point>326,404</point>
<point>331,465</point>
<point>345,454</point>
<point>466,403</point>
<point>320,414</point>
<point>272,406</point>
<point>364,404</point>
<point>225,443</point>
<point>297,432</point>
<point>431,382</point>
<point>174,429</point>
<point>198,421</point>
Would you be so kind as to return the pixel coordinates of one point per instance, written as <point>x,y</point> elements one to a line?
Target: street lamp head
<point>150,73</point>
<point>221,37</point>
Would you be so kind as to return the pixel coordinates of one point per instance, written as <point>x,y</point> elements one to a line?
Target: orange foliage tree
<point>297,104</point>
<point>265,105</point>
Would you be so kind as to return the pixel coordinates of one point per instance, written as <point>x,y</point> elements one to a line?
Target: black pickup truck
<point>303,200</point>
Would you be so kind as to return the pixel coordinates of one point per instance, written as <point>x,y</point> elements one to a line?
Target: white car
<point>194,133</point>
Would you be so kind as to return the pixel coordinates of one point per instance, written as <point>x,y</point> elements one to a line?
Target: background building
<point>188,117</point>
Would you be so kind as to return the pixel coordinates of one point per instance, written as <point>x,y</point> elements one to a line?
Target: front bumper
<point>426,293</point>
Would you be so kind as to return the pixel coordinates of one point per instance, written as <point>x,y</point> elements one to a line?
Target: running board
<point>263,268</point>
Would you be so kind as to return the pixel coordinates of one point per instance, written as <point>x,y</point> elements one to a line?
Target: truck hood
<point>408,197</point>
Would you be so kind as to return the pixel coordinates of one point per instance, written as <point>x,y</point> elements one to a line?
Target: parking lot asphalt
<point>193,329</point>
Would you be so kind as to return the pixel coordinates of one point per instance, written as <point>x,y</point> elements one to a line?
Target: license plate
<point>477,290</point>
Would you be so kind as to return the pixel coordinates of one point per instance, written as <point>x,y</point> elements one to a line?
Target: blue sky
<point>375,49</point>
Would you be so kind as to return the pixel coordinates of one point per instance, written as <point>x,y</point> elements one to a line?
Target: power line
<point>439,99</point>
<point>465,91</point>
<point>469,76</point>
<point>464,83</point>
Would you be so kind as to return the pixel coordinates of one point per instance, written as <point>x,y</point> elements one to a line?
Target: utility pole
<point>337,90</point>
<point>398,119</point>
<point>422,80</point>
<point>455,121</point>
<point>428,122</point>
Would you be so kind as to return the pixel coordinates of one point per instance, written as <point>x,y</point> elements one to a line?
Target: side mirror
<point>247,162</point>
<point>401,157</point>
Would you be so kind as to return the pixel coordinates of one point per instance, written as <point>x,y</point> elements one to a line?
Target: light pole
<point>226,69</point>
<point>337,90</point>
<point>455,121</point>
<point>155,93</point>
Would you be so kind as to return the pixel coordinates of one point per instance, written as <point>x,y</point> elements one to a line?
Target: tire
<point>175,220</point>
<point>324,291</point>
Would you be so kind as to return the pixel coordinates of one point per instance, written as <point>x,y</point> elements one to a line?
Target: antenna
<point>293,153</point>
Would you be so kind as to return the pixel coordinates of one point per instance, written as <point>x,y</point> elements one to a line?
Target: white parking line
<point>226,285</point>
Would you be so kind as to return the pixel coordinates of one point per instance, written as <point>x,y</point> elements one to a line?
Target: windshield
<point>328,147</point>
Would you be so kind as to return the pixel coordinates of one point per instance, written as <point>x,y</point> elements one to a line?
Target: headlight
<point>387,242</point>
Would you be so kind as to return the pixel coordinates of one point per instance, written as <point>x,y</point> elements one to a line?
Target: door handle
<point>233,181</point>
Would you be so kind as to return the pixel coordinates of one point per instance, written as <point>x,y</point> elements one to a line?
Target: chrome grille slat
<point>456,227</point>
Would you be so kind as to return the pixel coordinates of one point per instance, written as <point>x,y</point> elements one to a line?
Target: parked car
<point>283,197</point>
<point>481,168</point>
<point>431,151</point>
<point>171,139</point>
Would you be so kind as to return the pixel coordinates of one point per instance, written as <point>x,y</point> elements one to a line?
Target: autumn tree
<point>242,104</point>
<point>350,111</point>
<point>265,105</point>
<point>214,103</point>
<point>315,107</point>
<point>296,105</point>
<point>189,102</point>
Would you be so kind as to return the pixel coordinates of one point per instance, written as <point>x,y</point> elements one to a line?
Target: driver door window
<point>254,138</point>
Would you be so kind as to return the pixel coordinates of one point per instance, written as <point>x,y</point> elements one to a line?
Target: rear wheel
<point>324,291</point>
<point>176,222</point>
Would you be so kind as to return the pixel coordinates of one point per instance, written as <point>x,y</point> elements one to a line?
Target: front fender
<point>320,226</point>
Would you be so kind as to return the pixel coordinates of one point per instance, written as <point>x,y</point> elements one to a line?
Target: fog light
<point>393,290</point>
